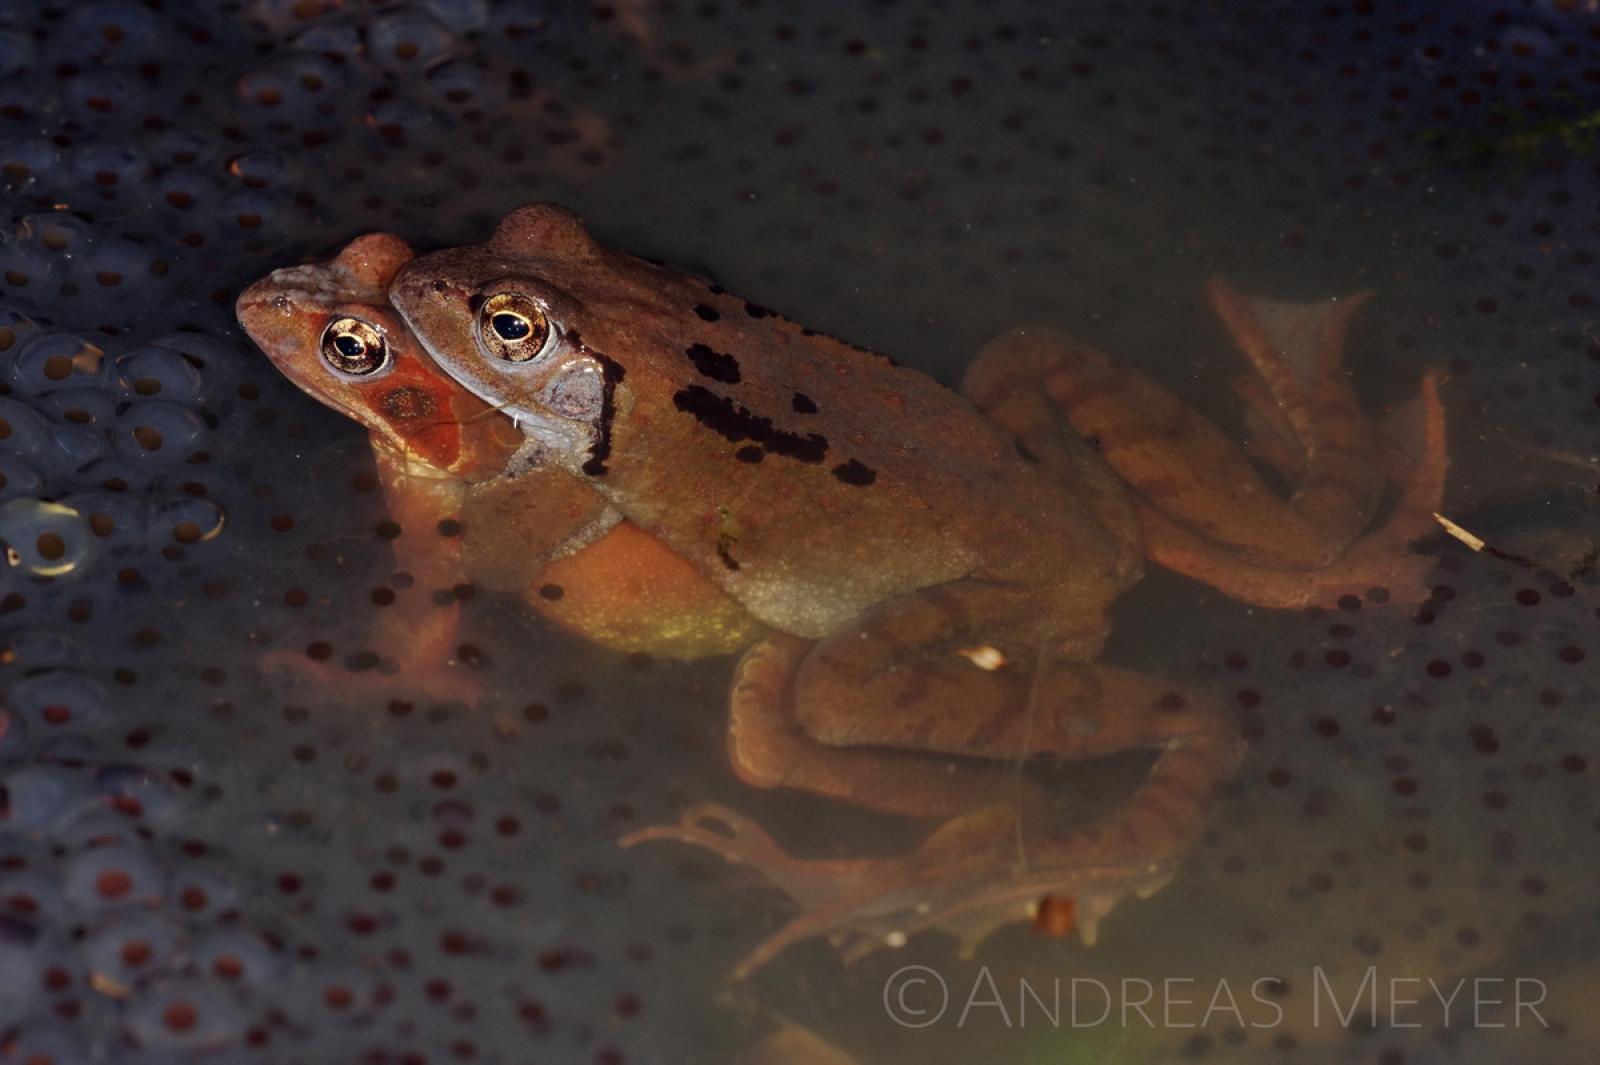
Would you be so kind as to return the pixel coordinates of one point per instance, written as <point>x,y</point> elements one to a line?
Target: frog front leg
<point>924,674</point>
<point>453,532</point>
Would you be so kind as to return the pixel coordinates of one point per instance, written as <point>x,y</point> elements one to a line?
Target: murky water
<point>206,856</point>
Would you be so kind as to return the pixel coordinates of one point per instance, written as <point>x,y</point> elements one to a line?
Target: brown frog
<point>440,451</point>
<point>933,570</point>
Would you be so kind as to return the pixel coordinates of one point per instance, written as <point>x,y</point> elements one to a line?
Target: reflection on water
<point>205,854</point>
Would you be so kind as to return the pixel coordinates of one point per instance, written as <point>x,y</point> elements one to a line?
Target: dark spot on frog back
<point>732,422</point>
<point>719,366</point>
<point>803,404</point>
<point>407,403</point>
<point>855,472</point>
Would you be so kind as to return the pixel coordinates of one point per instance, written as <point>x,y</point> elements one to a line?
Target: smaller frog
<point>441,453</point>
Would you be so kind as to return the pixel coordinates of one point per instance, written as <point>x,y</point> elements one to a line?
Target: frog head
<point>501,317</point>
<point>329,328</point>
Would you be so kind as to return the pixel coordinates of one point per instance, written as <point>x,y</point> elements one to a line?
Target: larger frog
<point>933,570</point>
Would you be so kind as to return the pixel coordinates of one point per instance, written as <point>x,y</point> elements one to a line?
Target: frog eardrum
<point>354,347</point>
<point>512,327</point>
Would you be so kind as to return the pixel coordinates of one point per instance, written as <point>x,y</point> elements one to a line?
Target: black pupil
<point>511,326</point>
<point>349,346</point>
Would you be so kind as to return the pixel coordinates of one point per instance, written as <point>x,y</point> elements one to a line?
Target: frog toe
<point>441,683</point>
<point>714,827</point>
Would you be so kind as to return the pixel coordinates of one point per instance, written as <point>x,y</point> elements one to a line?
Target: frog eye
<point>352,346</point>
<point>513,327</point>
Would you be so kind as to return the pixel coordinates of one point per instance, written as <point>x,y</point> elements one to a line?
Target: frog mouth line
<point>421,469</point>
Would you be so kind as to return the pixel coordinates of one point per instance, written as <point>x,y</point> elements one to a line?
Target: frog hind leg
<point>871,687</point>
<point>1269,436</point>
<point>768,748</point>
<point>973,876</point>
<point>810,883</point>
<point>984,867</point>
<point>1006,383</point>
<point>1179,462</point>
<point>1203,509</point>
<point>1381,559</point>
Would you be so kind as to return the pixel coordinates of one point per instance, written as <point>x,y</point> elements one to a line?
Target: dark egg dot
<point>50,546</point>
<point>1484,739</point>
<point>510,326</point>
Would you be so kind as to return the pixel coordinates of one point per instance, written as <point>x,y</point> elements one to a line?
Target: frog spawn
<point>131,202</point>
<point>79,431</point>
<point>904,130</point>
<point>141,902</point>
